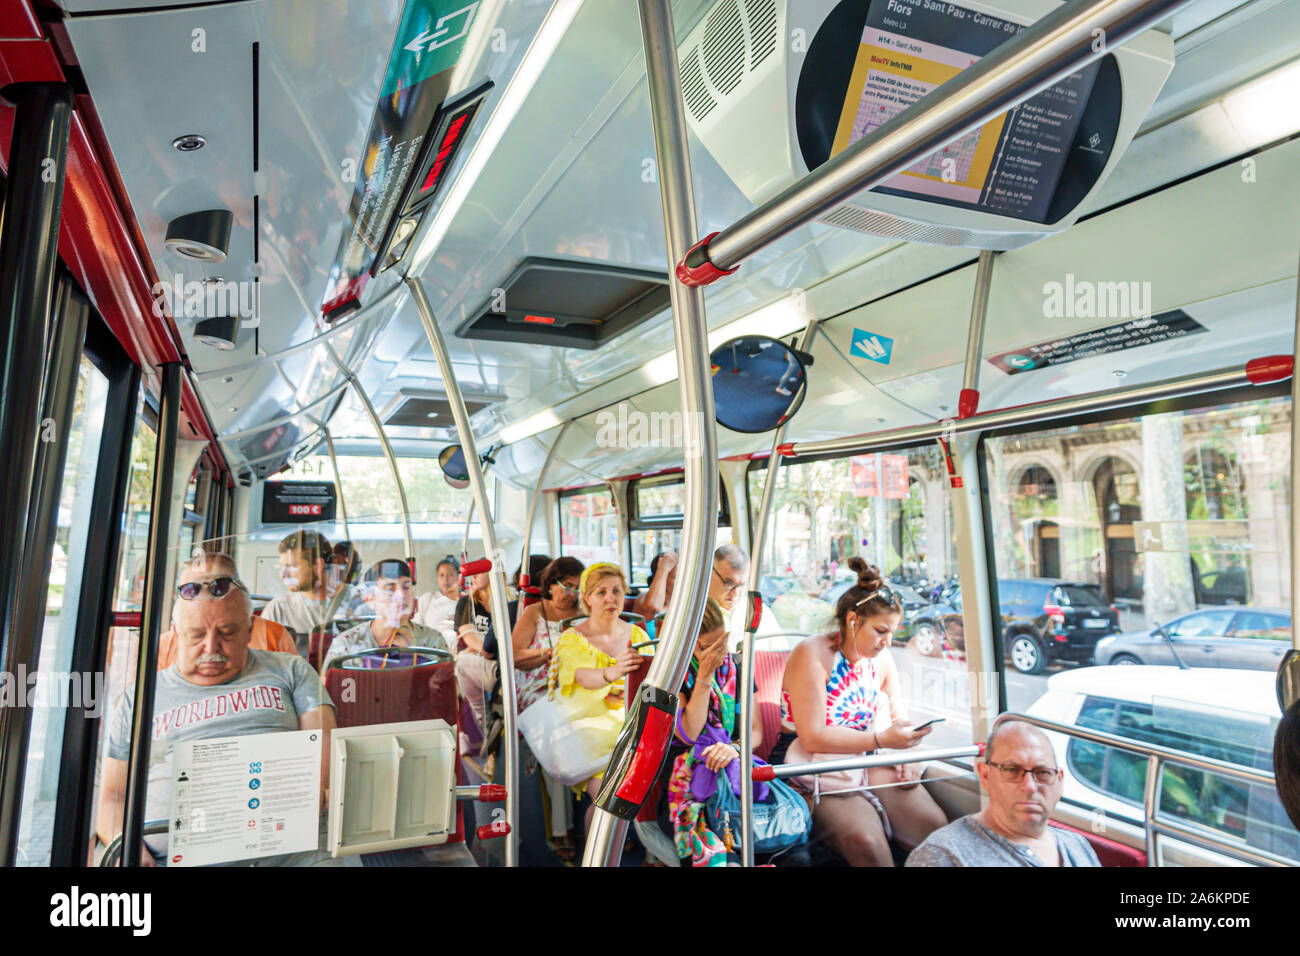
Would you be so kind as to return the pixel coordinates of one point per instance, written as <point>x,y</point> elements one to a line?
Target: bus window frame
<point>1211,399</point>
<point>669,522</point>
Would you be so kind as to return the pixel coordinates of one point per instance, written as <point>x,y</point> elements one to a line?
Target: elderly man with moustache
<point>1020,774</point>
<point>218,687</point>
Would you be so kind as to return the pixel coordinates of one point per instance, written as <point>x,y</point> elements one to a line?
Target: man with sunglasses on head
<point>1023,781</point>
<point>266,635</point>
<point>387,586</point>
<point>218,687</point>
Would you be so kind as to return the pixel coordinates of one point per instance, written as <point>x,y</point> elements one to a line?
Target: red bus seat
<point>318,645</point>
<point>393,695</point>
<point>769,668</point>
<point>1109,852</point>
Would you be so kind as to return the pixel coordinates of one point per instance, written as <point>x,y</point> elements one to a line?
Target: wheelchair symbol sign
<point>254,783</point>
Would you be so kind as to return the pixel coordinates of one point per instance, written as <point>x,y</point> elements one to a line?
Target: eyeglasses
<point>217,587</point>
<point>881,592</point>
<point>567,588</point>
<point>731,587</point>
<point>1013,773</point>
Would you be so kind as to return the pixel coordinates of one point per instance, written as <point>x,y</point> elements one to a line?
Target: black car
<point>1046,619</point>
<point>1043,619</point>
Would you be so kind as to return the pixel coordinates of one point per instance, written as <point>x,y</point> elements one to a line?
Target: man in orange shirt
<point>267,635</point>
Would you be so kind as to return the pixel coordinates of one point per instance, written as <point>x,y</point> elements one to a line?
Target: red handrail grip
<point>126,619</point>
<point>764,774</point>
<point>492,831</point>
<point>470,568</point>
<point>983,746</point>
<point>968,402</point>
<point>648,756</point>
<point>786,449</point>
<point>703,271</point>
<point>1269,368</point>
<point>491,793</point>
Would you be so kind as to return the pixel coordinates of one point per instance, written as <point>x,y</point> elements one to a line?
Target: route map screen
<point>1010,166</point>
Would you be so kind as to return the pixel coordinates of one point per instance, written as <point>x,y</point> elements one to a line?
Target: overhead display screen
<point>1011,166</point>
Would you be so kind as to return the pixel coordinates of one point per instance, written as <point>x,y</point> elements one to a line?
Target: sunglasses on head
<point>217,587</point>
<point>880,592</point>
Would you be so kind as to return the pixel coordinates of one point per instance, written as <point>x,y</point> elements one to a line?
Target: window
<point>1249,813</point>
<point>1266,627</point>
<point>370,494</point>
<point>658,505</point>
<point>589,526</point>
<point>1204,624</point>
<point>57,688</point>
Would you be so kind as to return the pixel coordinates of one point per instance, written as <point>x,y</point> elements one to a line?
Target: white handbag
<point>571,749</point>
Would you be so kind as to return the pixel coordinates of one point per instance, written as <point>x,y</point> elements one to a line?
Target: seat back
<point>769,668</point>
<point>394,694</point>
<point>318,645</point>
<point>1109,852</point>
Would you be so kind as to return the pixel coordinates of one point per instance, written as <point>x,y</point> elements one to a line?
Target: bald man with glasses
<point>1020,774</point>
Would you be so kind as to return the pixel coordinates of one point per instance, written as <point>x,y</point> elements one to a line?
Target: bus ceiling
<point>246,188</point>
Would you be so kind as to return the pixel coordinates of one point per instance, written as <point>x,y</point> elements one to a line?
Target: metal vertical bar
<point>969,401</point>
<point>74,805</point>
<point>1151,796</point>
<point>695,385</point>
<point>155,588</point>
<point>497,579</point>
<point>61,372</point>
<point>29,234</point>
<point>757,539</point>
<point>338,482</point>
<point>464,538</point>
<point>537,496</point>
<point>388,454</point>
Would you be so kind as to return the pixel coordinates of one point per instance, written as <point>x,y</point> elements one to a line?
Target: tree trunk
<point>1167,582</point>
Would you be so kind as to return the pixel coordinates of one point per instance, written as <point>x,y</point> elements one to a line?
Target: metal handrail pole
<point>865,762</point>
<point>496,580</point>
<point>392,463</point>
<point>695,388</point>
<point>1213,842</point>
<point>969,400</point>
<point>1166,755</point>
<point>758,536</point>
<point>156,585</point>
<point>29,235</point>
<point>338,481</point>
<point>532,505</point>
<point>1150,805</point>
<point>1269,369</point>
<point>464,538</point>
<point>1060,43</point>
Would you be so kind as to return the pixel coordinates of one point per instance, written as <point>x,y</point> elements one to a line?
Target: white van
<point>1225,714</point>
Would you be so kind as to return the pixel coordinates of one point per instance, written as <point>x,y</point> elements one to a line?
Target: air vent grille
<point>762,30</point>
<point>896,227</point>
<point>429,412</point>
<point>694,91</point>
<point>724,47</point>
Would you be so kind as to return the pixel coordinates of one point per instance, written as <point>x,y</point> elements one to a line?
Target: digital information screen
<point>1011,165</point>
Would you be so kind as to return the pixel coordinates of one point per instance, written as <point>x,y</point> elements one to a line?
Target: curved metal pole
<point>969,400</point>
<point>537,495</point>
<point>496,580</point>
<point>646,734</point>
<point>1060,43</point>
<point>156,585</point>
<point>392,463</point>
<point>757,538</point>
<point>464,539</point>
<point>338,481</point>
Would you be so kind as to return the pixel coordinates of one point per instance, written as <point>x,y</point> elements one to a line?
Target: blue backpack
<point>781,821</point>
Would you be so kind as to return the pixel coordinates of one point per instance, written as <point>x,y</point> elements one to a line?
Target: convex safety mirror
<point>454,470</point>
<point>758,383</point>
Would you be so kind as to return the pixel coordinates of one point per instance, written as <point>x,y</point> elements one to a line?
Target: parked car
<point>1043,619</point>
<point>912,599</point>
<point>1248,638</point>
<point>1229,715</point>
<point>1228,586</point>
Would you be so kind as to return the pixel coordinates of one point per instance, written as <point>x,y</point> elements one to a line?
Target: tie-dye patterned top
<point>854,695</point>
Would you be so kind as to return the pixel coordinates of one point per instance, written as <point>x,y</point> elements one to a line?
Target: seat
<point>1109,852</point>
<point>769,668</point>
<point>318,645</point>
<point>393,694</point>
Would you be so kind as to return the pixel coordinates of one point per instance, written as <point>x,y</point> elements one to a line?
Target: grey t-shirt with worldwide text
<point>967,842</point>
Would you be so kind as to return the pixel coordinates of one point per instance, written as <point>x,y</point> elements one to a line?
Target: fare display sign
<point>296,502</point>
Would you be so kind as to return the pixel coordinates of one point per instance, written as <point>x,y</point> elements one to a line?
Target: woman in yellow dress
<point>592,659</point>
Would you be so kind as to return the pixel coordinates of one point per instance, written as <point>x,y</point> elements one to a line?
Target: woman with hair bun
<point>840,695</point>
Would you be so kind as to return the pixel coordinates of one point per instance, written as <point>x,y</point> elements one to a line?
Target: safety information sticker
<point>240,798</point>
<point>1113,338</point>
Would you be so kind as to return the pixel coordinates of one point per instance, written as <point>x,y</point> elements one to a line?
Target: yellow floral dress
<point>601,710</point>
